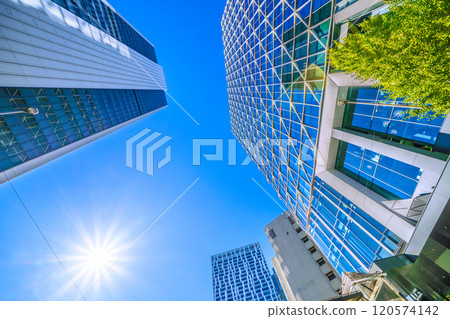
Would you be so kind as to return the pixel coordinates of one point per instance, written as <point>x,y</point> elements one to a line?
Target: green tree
<point>406,51</point>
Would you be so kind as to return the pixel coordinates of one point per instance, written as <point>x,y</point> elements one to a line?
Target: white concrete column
<point>344,79</point>
<point>445,128</point>
<point>283,280</point>
<point>435,207</point>
<point>355,9</point>
<point>327,122</point>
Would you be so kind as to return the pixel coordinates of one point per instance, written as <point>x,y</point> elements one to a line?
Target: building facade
<point>241,274</point>
<point>71,71</point>
<point>353,170</point>
<point>278,286</point>
<point>304,272</point>
<point>422,272</point>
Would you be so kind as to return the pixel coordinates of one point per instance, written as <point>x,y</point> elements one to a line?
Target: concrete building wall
<point>296,264</point>
<point>44,45</point>
<point>283,280</point>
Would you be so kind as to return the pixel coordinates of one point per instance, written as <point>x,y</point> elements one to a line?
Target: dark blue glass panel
<point>389,244</point>
<point>343,218</point>
<point>382,253</point>
<point>368,218</point>
<point>393,237</point>
<point>395,180</point>
<point>330,196</point>
<point>341,230</point>
<point>368,167</point>
<point>353,160</point>
<point>305,11</point>
<point>367,94</point>
<point>363,236</point>
<point>388,177</point>
<point>348,262</point>
<point>379,125</point>
<point>318,3</point>
<point>388,121</point>
<point>363,109</point>
<point>400,167</point>
<point>368,227</point>
<point>324,201</point>
<point>65,116</point>
<point>383,111</point>
<point>326,215</point>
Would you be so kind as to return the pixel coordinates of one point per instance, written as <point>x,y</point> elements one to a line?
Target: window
<point>386,176</point>
<point>330,276</point>
<point>272,234</point>
<point>388,122</point>
<point>320,261</point>
<point>305,239</point>
<point>312,250</point>
<point>72,115</point>
<point>291,220</point>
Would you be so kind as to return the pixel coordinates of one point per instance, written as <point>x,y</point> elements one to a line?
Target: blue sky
<point>91,196</point>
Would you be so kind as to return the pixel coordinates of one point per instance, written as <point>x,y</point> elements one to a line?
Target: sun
<point>100,259</point>
<point>98,255</point>
<point>96,259</point>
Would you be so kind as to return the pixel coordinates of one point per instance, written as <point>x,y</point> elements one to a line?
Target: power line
<point>43,236</point>
<point>137,240</point>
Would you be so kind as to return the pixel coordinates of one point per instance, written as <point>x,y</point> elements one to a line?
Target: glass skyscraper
<point>85,70</point>
<point>342,156</point>
<point>242,274</point>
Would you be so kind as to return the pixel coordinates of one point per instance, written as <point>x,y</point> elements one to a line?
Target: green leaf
<point>406,51</point>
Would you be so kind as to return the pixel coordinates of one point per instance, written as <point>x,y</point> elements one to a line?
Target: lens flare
<point>96,259</point>
<point>99,259</point>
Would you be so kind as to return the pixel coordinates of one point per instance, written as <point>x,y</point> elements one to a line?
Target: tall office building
<point>356,173</point>
<point>304,273</point>
<point>82,66</point>
<point>278,287</point>
<point>241,274</point>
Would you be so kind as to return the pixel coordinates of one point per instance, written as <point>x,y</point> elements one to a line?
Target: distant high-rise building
<point>303,271</point>
<point>81,66</point>
<point>354,171</point>
<point>278,286</point>
<point>241,274</point>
